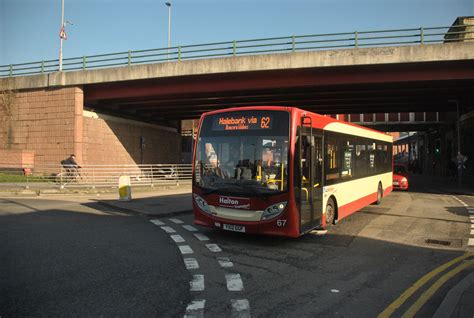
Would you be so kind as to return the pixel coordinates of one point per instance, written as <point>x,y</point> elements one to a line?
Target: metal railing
<point>95,176</point>
<point>412,36</point>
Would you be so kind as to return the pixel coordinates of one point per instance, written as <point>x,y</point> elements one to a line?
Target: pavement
<point>458,302</point>
<point>158,203</point>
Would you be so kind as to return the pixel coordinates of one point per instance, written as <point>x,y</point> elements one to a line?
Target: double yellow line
<point>430,291</point>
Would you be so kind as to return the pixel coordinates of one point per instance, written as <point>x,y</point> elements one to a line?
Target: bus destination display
<point>242,122</point>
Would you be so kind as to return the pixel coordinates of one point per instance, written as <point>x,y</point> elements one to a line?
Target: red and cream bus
<point>285,171</point>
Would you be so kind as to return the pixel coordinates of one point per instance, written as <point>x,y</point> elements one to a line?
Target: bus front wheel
<point>330,212</point>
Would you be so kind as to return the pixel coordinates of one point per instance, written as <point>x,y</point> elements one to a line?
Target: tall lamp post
<point>62,35</point>
<point>168,4</point>
<point>459,157</point>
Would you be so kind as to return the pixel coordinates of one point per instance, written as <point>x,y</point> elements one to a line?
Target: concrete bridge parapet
<point>459,51</point>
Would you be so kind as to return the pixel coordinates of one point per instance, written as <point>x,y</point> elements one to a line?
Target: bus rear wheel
<point>379,194</point>
<point>330,212</point>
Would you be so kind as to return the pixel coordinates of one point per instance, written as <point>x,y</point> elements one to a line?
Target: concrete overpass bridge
<point>388,79</point>
<point>100,114</point>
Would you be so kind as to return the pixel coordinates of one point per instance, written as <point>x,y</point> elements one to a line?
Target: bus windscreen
<point>243,152</point>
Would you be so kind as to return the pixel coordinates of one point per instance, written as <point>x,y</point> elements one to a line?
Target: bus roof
<point>323,122</point>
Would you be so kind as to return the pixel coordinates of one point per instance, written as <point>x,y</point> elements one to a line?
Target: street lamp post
<point>61,38</point>
<point>168,4</point>
<point>459,157</point>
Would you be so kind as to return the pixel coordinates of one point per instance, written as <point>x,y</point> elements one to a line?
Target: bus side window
<point>332,161</point>
<point>360,168</point>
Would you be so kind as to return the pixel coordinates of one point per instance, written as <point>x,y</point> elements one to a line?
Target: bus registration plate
<point>234,228</point>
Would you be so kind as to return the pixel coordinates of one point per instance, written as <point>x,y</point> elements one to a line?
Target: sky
<point>29,29</point>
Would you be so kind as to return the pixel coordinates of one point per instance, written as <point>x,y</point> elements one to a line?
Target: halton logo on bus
<point>235,203</point>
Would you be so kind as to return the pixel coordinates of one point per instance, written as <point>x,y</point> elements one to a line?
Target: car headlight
<point>274,210</point>
<point>404,180</point>
<point>201,203</point>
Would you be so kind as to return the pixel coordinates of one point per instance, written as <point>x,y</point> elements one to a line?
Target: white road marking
<point>191,263</point>
<point>472,231</point>
<point>185,249</point>
<point>168,229</point>
<point>335,291</point>
<point>197,284</point>
<point>157,222</point>
<point>214,248</point>
<point>190,228</point>
<point>472,226</point>
<point>176,221</point>
<point>240,308</point>
<point>459,200</point>
<point>225,262</point>
<point>234,282</point>
<point>471,242</point>
<point>201,237</point>
<point>177,238</point>
<point>195,309</point>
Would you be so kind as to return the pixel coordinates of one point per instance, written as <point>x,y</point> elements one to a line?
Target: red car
<point>400,181</point>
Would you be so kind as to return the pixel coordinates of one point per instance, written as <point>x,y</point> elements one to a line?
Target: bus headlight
<point>201,203</point>
<point>274,210</point>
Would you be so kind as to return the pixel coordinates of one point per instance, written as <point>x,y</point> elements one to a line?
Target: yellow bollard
<point>125,190</point>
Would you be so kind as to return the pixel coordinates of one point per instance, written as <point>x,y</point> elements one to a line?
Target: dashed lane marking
<point>190,228</point>
<point>234,282</point>
<point>195,309</point>
<point>168,229</point>
<point>185,249</point>
<point>191,263</point>
<point>214,248</point>
<point>177,238</point>
<point>197,284</point>
<point>201,237</point>
<point>240,308</point>
<point>459,200</point>
<point>225,262</point>
<point>157,222</point>
<point>470,210</point>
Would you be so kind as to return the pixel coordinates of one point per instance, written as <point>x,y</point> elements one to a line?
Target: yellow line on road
<point>410,291</point>
<point>440,282</point>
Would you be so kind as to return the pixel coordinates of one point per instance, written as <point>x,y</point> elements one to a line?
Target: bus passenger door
<point>309,178</point>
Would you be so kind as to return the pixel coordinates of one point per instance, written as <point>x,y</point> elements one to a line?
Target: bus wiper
<point>221,186</point>
<point>210,191</point>
<point>254,191</point>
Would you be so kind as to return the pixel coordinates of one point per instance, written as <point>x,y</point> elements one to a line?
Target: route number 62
<point>281,223</point>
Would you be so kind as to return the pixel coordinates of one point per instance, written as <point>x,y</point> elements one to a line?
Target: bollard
<point>125,190</point>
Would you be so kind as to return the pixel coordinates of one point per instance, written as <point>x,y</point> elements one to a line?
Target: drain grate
<point>438,242</point>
